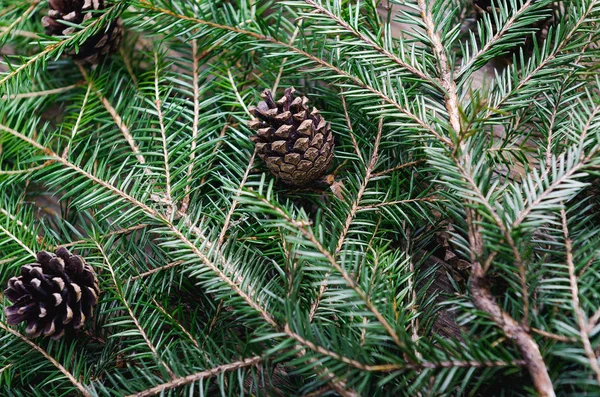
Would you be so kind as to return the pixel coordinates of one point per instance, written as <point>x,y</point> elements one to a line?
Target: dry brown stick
<point>580,315</point>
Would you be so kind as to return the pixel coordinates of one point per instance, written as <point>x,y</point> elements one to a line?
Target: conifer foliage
<point>218,278</point>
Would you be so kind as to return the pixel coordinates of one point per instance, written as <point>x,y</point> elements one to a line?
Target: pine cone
<point>105,42</point>
<point>53,294</point>
<point>295,143</point>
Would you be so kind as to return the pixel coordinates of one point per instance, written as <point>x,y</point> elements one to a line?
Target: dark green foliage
<point>218,280</point>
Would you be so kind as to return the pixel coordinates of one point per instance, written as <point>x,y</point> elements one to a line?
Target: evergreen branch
<point>350,282</point>
<point>579,314</point>
<point>351,214</point>
<point>500,33</point>
<point>48,357</point>
<point>35,94</point>
<point>195,130</point>
<point>42,55</point>
<point>396,367</point>
<point>291,43</point>
<point>163,135</point>
<point>550,335</point>
<point>132,315</point>
<point>117,118</point>
<point>398,167</point>
<point>350,129</point>
<point>396,202</point>
<point>355,80</point>
<point>177,323</point>
<point>556,50</point>
<point>158,269</point>
<point>333,381</point>
<point>113,233</point>
<point>17,240</point>
<point>231,283</point>
<point>79,118</point>
<point>20,224</point>
<point>371,43</point>
<point>20,19</point>
<point>235,200</point>
<point>154,214</point>
<point>444,67</point>
<point>26,170</point>
<point>209,373</point>
<point>21,33</point>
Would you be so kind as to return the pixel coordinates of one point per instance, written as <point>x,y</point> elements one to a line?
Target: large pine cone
<point>105,42</point>
<point>53,294</point>
<point>294,142</point>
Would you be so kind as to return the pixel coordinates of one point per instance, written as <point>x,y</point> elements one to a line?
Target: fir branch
<point>163,135</point>
<point>209,373</point>
<point>116,117</point>
<point>44,93</point>
<point>132,315</point>
<point>195,129</point>
<point>579,314</point>
<point>351,214</point>
<point>355,80</point>
<point>48,357</point>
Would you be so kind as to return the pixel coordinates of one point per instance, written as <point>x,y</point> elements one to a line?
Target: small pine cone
<point>105,42</point>
<point>53,294</point>
<point>295,143</point>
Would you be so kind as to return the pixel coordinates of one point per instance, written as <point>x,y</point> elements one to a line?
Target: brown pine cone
<point>103,43</point>
<point>295,143</point>
<point>53,294</point>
